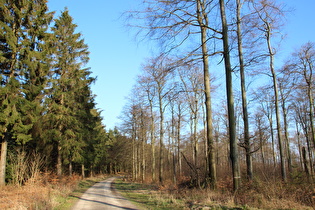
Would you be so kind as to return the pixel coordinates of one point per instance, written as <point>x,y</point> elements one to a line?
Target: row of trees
<point>46,104</point>
<point>172,109</point>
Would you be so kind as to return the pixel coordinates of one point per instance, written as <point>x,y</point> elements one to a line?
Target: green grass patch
<point>147,196</point>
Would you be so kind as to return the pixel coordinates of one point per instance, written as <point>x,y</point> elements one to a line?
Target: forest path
<point>103,196</point>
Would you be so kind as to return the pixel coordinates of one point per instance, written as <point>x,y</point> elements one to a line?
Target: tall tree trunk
<point>152,131</point>
<point>261,143</point>
<point>59,161</point>
<point>269,116</point>
<point>247,146</point>
<point>230,101</point>
<point>70,168</point>
<point>143,160</point>
<point>195,143</point>
<point>83,171</point>
<point>3,159</point>
<point>161,138</point>
<point>179,141</point>
<point>311,107</point>
<point>299,142</point>
<point>276,101</point>
<point>201,14</point>
<point>286,134</point>
<point>133,158</point>
<point>305,162</point>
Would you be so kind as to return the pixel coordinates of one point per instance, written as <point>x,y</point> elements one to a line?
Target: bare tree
<point>247,146</point>
<point>159,69</point>
<point>192,81</point>
<point>305,60</point>
<point>147,86</point>
<point>173,24</point>
<point>269,13</point>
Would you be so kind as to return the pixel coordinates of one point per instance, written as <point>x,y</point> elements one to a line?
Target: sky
<point>116,58</point>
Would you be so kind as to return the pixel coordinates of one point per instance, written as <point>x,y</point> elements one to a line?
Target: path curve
<point>102,196</point>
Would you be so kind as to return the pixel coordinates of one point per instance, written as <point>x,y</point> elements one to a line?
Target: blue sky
<point>116,58</point>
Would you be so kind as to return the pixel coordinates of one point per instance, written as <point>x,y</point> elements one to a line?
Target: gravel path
<point>103,196</point>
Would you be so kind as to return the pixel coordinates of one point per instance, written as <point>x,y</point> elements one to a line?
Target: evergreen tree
<point>68,80</point>
<point>22,28</point>
<point>36,59</point>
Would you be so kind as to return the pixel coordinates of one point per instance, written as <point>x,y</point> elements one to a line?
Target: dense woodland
<point>48,119</point>
<point>216,103</point>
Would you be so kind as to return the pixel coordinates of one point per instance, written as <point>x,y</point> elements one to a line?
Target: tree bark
<point>59,161</point>
<point>3,160</point>
<point>83,171</point>
<point>230,100</point>
<point>161,137</point>
<point>276,101</point>
<point>152,131</point>
<point>212,177</point>
<point>247,146</point>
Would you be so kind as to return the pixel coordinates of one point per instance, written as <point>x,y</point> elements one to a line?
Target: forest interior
<point>215,118</point>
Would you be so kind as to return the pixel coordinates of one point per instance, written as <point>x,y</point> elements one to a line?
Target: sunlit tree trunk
<point>276,100</point>
<point>247,146</point>
<point>161,112</point>
<point>3,160</point>
<point>230,101</point>
<point>203,22</point>
<point>285,124</point>
<point>178,135</point>
<point>152,134</point>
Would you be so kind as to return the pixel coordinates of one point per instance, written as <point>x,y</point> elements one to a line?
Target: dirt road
<point>102,196</point>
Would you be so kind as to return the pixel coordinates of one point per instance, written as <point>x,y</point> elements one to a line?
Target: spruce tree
<point>22,23</point>
<point>68,80</point>
<point>36,59</point>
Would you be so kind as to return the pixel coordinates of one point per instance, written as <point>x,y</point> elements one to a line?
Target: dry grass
<point>41,194</point>
<point>255,195</point>
<point>26,197</point>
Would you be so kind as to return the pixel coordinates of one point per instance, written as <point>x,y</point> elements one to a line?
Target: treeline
<point>218,102</point>
<point>48,115</point>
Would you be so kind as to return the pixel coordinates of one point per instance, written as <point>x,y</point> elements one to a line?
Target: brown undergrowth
<point>43,193</point>
<point>258,194</point>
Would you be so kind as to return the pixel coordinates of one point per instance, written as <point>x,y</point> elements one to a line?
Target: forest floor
<point>257,196</point>
<point>48,192</point>
<point>52,193</point>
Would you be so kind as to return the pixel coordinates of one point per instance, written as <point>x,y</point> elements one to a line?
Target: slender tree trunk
<point>195,143</point>
<point>230,101</point>
<point>178,142</point>
<point>3,160</point>
<point>70,168</point>
<point>143,160</point>
<point>309,149</point>
<point>161,138</point>
<point>249,164</point>
<point>133,159</point>
<point>305,162</point>
<point>311,110</point>
<point>261,143</point>
<point>83,171</point>
<point>276,101</point>
<point>174,169</point>
<point>59,161</point>
<point>212,177</point>
<point>286,134</point>
<point>59,148</point>
<point>152,131</point>
<point>269,116</point>
<point>299,143</point>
